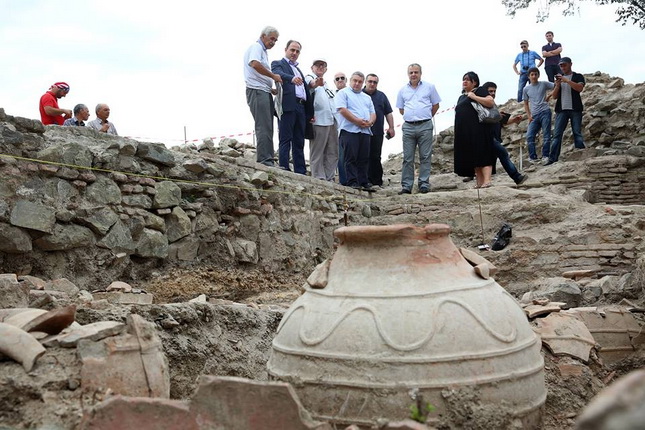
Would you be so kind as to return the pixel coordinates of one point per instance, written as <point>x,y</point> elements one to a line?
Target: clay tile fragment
<point>54,321</point>
<point>20,346</point>
<point>318,278</point>
<point>533,311</point>
<point>217,402</point>
<point>119,286</point>
<point>565,334</point>
<point>483,268</point>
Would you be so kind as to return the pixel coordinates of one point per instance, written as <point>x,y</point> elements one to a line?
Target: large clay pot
<point>402,309</point>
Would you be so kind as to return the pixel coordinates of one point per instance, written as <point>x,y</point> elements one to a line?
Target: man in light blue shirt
<point>418,102</point>
<point>259,81</point>
<point>526,59</point>
<point>357,116</point>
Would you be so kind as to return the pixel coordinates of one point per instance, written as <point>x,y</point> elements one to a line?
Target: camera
<point>388,136</point>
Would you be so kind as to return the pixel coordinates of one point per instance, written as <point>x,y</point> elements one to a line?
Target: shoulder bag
<point>487,115</point>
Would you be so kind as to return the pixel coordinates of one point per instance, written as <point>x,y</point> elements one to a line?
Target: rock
<point>195,165</point>
<point>94,332</point>
<point>12,293</point>
<point>152,244</point>
<point>14,240</point>
<point>168,195</point>
<point>618,406</point>
<point>157,153</point>
<point>104,192</point>
<point>33,215</point>
<point>125,298</point>
<point>65,237</point>
<point>178,225</point>
<point>64,285</point>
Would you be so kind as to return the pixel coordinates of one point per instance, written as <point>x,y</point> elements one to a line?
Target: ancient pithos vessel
<point>399,308</point>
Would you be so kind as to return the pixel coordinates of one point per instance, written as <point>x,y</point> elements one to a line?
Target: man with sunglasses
<point>323,148</point>
<point>526,59</point>
<point>340,80</point>
<point>383,112</point>
<point>50,113</point>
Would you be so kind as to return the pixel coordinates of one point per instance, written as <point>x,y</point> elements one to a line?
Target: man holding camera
<point>526,59</point>
<point>568,107</point>
<point>383,112</point>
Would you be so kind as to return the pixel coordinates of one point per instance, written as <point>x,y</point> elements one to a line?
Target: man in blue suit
<point>297,109</point>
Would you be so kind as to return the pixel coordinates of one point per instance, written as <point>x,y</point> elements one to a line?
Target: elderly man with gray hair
<point>81,114</point>
<point>101,123</point>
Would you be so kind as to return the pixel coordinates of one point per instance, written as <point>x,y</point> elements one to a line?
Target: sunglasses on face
<point>340,78</point>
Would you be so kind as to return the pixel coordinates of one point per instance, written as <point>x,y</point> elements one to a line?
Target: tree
<point>627,10</point>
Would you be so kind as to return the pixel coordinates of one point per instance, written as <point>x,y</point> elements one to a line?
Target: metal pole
<point>185,140</point>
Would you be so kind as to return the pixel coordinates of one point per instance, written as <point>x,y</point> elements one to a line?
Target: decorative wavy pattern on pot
<point>403,309</point>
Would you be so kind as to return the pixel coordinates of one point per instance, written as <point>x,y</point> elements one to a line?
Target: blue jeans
<point>524,78</point>
<point>561,119</point>
<point>540,120</point>
<point>505,160</point>
<point>416,135</point>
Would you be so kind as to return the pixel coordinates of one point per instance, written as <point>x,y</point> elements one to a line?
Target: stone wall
<point>93,208</point>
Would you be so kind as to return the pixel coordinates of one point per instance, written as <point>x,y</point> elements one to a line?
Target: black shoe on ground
<point>405,191</point>
<point>424,190</point>
<point>521,179</point>
<point>356,187</point>
<point>369,188</point>
<point>467,179</point>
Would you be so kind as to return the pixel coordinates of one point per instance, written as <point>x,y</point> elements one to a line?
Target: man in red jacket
<point>50,113</point>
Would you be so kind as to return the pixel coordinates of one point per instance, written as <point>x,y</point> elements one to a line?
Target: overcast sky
<point>163,66</point>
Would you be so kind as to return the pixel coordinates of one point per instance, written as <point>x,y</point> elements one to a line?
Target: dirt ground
<point>252,286</point>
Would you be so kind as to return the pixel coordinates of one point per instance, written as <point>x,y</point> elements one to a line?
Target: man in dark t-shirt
<point>551,53</point>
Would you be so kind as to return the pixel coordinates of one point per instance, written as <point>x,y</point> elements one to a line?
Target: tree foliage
<point>627,11</point>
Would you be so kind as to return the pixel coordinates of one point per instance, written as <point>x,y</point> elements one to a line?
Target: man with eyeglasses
<point>259,92</point>
<point>568,107</point>
<point>383,112</point>
<point>297,109</point>
<point>526,59</point>
<point>357,118</point>
<point>418,101</point>
<point>50,113</point>
<point>340,80</point>
<point>323,148</point>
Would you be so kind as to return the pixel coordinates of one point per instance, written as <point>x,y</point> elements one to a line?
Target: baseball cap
<point>62,85</point>
<point>565,60</point>
<point>319,60</point>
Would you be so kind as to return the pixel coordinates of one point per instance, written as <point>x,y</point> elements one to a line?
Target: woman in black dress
<point>474,150</point>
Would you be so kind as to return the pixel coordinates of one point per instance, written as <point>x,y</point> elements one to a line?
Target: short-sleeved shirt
<point>382,107</point>
<point>527,60</point>
<point>324,105</point>
<point>48,99</point>
<point>257,52</point>
<point>417,102</point>
<point>554,60</point>
<point>568,98</point>
<point>359,104</point>
<point>535,94</point>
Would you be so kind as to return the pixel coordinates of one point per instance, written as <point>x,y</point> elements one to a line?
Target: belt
<point>418,122</point>
<point>301,101</point>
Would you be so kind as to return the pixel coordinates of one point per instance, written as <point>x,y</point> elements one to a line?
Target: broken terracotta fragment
<point>318,278</point>
<point>483,268</point>
<point>118,286</point>
<point>565,334</point>
<point>533,311</point>
<point>20,346</point>
<point>22,318</point>
<point>614,328</point>
<point>54,321</point>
